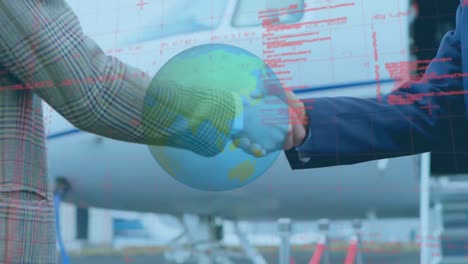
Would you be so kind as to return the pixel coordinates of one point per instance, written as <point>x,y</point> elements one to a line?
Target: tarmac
<point>299,256</point>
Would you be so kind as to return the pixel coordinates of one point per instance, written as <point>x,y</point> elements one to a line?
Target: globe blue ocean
<point>226,67</point>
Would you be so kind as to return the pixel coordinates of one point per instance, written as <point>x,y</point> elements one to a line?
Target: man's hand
<point>297,117</point>
<point>298,121</point>
<point>265,128</point>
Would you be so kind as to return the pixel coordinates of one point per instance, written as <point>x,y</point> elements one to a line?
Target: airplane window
<point>251,13</point>
<point>168,18</point>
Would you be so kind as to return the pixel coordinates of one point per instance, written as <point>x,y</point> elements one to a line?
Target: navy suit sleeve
<point>345,130</point>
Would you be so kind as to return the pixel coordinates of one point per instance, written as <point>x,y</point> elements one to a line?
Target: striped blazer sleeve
<point>43,46</point>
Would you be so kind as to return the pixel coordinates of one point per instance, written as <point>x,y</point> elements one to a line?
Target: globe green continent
<point>212,67</point>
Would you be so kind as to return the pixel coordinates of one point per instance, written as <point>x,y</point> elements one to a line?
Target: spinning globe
<point>215,66</point>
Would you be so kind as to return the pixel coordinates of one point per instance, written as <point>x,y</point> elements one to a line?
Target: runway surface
<point>299,256</point>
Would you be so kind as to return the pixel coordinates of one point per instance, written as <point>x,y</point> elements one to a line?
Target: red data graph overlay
<point>338,42</point>
<point>307,43</point>
<point>327,43</point>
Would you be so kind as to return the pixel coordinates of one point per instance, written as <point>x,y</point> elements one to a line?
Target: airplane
<point>106,173</point>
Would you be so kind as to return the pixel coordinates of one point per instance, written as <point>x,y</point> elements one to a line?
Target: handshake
<point>271,123</point>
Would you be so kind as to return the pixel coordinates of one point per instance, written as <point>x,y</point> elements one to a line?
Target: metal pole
<point>357,225</point>
<point>351,252</point>
<point>284,227</point>
<point>424,207</point>
<point>324,225</point>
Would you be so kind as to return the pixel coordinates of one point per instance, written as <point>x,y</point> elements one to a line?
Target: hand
<point>297,117</point>
<point>266,126</point>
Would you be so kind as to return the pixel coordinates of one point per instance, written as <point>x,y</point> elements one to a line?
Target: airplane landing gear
<point>201,241</point>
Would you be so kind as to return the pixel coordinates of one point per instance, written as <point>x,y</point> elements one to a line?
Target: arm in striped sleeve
<point>42,44</point>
